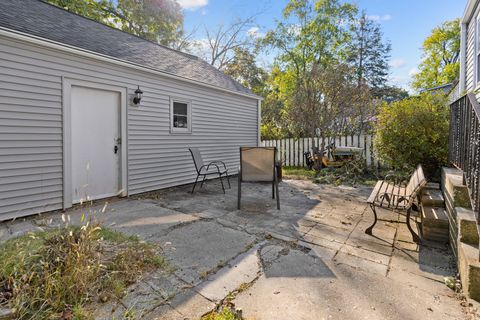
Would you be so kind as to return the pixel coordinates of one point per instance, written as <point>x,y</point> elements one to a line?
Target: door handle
<point>115,149</point>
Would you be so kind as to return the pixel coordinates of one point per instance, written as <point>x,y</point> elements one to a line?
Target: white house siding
<point>470,55</point>
<point>31,178</point>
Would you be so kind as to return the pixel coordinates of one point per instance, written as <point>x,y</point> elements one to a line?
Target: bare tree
<point>184,42</point>
<point>218,48</point>
<point>328,98</point>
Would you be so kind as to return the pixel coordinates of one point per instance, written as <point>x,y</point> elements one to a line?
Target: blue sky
<point>406,23</point>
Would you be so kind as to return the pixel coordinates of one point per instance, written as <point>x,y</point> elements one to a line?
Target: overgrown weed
<point>56,274</point>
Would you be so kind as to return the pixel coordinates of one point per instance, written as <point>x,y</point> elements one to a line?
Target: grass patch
<point>57,274</point>
<point>299,173</point>
<point>351,174</point>
<point>225,313</point>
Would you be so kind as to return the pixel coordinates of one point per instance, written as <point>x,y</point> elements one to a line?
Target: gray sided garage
<point>69,129</point>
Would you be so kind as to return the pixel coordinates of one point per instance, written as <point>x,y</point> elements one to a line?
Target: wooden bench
<point>394,195</point>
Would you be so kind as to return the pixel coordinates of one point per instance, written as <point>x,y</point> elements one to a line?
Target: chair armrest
<point>213,164</point>
<point>200,169</point>
<point>218,161</point>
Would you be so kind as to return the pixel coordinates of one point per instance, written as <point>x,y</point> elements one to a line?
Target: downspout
<point>463,58</point>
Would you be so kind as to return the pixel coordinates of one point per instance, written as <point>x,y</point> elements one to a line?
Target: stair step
<point>434,217</point>
<point>434,238</point>
<point>434,224</point>
<point>432,198</point>
<point>435,232</point>
<point>432,185</point>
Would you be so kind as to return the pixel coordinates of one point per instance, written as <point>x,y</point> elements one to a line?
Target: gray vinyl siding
<point>31,178</point>
<point>470,66</point>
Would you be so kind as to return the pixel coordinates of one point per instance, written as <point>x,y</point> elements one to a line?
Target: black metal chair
<point>258,164</point>
<point>213,168</point>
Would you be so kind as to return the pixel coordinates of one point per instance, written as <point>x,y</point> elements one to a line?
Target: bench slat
<point>396,193</point>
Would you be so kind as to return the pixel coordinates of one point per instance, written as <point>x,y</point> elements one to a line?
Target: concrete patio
<point>310,260</point>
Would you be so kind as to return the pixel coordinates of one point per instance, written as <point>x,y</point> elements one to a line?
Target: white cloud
<point>413,71</point>
<point>385,17</point>
<point>400,81</point>
<point>255,32</point>
<point>397,63</point>
<point>192,4</point>
<point>204,12</point>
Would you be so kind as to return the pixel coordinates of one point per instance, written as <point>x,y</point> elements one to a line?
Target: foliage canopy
<point>441,55</point>
<point>159,21</point>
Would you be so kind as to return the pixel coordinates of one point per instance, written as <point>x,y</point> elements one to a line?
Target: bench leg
<point>415,237</point>
<point>369,229</point>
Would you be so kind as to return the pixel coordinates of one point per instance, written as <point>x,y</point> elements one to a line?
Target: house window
<point>181,120</point>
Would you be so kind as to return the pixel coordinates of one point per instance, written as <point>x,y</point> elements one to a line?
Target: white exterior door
<point>96,138</point>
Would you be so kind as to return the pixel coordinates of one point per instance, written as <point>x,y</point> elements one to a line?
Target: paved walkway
<point>310,260</point>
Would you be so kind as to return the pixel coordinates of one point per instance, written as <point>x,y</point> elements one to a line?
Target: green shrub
<point>413,131</point>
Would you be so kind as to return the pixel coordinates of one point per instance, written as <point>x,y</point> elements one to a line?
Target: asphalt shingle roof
<point>47,21</point>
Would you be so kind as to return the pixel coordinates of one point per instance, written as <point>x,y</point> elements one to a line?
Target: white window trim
<point>476,70</point>
<point>189,116</point>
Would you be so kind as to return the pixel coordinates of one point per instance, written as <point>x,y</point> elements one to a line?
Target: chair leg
<point>239,191</point>
<point>203,181</point>
<point>221,181</point>
<point>276,190</point>
<point>196,180</point>
<point>369,229</point>
<point>228,180</point>
<point>415,237</point>
<point>273,190</point>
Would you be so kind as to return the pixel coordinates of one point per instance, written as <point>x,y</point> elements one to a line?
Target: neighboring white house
<point>69,126</point>
<point>470,48</point>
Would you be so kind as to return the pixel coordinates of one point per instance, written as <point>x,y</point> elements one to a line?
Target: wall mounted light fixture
<point>138,96</point>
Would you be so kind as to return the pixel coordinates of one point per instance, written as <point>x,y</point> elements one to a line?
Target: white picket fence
<point>291,150</point>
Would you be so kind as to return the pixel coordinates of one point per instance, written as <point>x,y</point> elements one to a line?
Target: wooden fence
<point>291,150</point>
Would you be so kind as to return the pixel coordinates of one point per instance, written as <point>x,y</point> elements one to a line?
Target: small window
<point>180,116</point>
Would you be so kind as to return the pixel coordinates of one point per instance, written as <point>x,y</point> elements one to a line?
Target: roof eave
<point>95,55</point>
<point>469,10</point>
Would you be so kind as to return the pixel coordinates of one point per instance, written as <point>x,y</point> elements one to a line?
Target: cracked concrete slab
<point>347,294</point>
<point>241,270</point>
<point>191,305</point>
<point>360,264</point>
<point>309,260</point>
<point>149,223</point>
<point>197,248</point>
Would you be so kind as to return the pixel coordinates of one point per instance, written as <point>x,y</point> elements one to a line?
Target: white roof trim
<point>95,55</point>
<point>469,10</point>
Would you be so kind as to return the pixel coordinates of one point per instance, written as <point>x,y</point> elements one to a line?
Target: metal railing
<point>464,144</point>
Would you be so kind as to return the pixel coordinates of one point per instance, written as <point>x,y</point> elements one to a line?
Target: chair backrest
<point>197,158</point>
<point>416,182</point>
<point>257,163</point>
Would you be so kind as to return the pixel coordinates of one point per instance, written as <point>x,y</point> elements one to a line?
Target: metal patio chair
<point>257,164</point>
<point>214,168</point>
<point>394,195</point>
